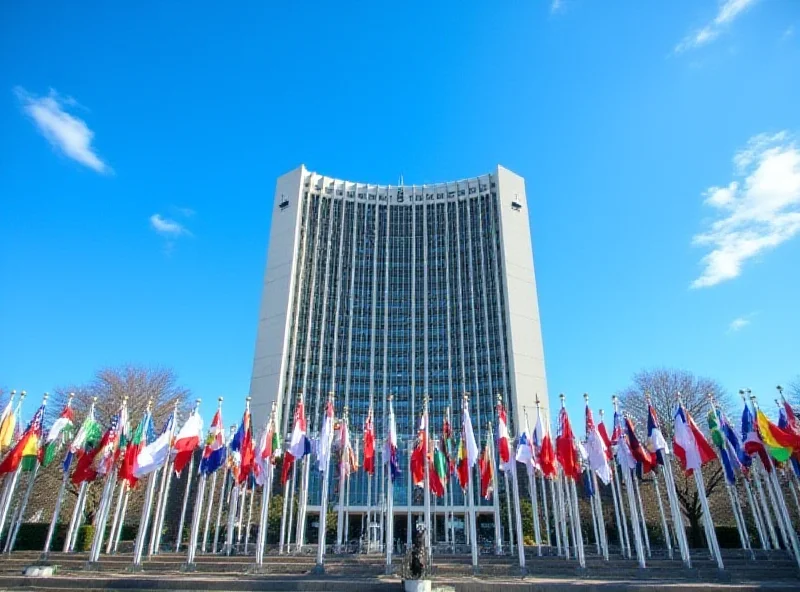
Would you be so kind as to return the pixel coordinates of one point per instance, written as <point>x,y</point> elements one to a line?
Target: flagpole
<point>75,513</point>
<point>157,534</point>
<point>564,512</point>
<point>635,480</point>
<point>222,497</point>
<point>509,511</point>
<point>323,502</point>
<point>123,489</point>
<point>235,501</point>
<point>266,491</point>
<point>618,507</point>
<point>302,510</point>
<point>672,498</point>
<point>784,511</point>
<point>537,531</point>
<point>543,483</point>
<point>242,504</point>
<point>498,533</point>
<point>107,498</point>
<point>148,502</point>
<point>626,476</point>
<point>593,508</point>
<point>11,485</point>
<point>196,516</point>
<point>427,474</point>
<point>471,501</point>
<point>664,526</point>
<point>210,497</point>
<point>209,507</point>
<point>518,515</point>
<point>56,511</point>
<point>122,519</point>
<point>342,483</point>
<point>23,506</point>
<point>292,488</point>
<point>286,490</point>
<point>756,512</point>
<point>387,467</point>
<point>409,524</point>
<point>145,520</point>
<point>59,498</point>
<point>184,506</point>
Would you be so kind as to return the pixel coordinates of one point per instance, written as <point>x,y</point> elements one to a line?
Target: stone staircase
<point>359,573</point>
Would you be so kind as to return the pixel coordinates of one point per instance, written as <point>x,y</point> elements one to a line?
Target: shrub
<point>83,541</point>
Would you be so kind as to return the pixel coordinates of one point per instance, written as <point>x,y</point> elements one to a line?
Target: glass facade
<point>396,290</point>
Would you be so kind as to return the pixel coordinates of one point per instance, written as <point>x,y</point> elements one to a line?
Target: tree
<point>793,392</point>
<point>111,385</point>
<point>663,384</point>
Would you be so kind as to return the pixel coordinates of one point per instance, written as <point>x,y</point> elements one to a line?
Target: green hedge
<point>32,536</point>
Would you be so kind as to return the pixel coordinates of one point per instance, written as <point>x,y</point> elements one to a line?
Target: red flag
<point>637,450</point>
<point>503,447</point>
<point>485,468</point>
<point>288,459</point>
<point>565,448</point>
<point>369,445</point>
<point>437,487</point>
<point>418,465</point>
<point>601,428</point>
<point>547,457</point>
<point>462,466</point>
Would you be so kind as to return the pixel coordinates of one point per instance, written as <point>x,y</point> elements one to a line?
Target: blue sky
<point>139,147</point>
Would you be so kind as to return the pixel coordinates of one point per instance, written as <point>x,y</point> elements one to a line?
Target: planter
<point>417,585</point>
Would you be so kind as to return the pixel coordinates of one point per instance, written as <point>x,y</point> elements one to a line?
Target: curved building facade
<point>412,290</point>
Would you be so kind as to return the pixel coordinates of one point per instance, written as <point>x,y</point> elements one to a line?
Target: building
<point>409,290</point>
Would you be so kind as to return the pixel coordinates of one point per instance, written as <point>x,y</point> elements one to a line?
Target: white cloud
<point>788,32</point>
<point>738,324</point>
<point>167,227</point>
<point>555,6</point>
<point>728,11</point>
<point>756,212</point>
<point>64,131</point>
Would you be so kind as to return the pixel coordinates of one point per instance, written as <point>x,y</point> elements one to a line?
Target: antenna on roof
<point>400,182</point>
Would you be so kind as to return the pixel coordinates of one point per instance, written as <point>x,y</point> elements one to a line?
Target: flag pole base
<point>91,566</point>
<point>319,569</point>
<point>523,571</point>
<point>189,567</point>
<point>258,570</point>
<point>136,568</point>
<point>389,570</point>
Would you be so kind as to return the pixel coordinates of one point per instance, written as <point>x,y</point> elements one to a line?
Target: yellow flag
<point>7,430</point>
<point>776,450</point>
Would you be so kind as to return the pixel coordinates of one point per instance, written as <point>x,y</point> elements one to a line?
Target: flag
<point>242,448</point>
<point>469,439</point>
<point>154,455</point>
<point>186,441</point>
<point>462,467</point>
<point>792,424</point>
<point>369,445</point>
<point>719,441</point>
<point>348,461</point>
<point>565,447</point>
<point>59,433</point>
<point>639,452</point>
<point>325,438</point>
<point>524,453</point>
<point>391,447</point>
<point>27,445</point>
<point>655,438</point>
<point>418,455</point>
<point>601,429</point>
<point>87,437</point>
<point>214,452</point>
<point>139,439</point>
<point>503,438</point>
<point>8,423</point>
<point>439,470</point>
<point>547,456</point>
<point>299,444</point>
<point>596,450</point>
<point>743,460</point>
<point>108,450</point>
<point>691,447</point>
<point>780,444</point>
<point>448,445</point>
<point>624,455</point>
<point>485,469</point>
<point>752,441</point>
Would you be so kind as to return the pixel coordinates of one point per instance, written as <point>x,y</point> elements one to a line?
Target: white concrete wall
<point>274,323</point>
<point>526,352</point>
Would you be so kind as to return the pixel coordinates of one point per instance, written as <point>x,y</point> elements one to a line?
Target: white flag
<point>469,436</point>
<point>325,439</point>
<point>596,451</point>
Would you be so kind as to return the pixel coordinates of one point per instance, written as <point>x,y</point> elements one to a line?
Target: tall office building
<point>412,290</point>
